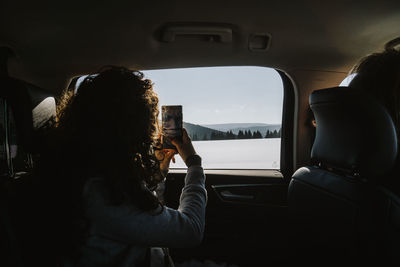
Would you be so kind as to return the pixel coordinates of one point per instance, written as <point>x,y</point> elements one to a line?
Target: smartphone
<point>171,125</point>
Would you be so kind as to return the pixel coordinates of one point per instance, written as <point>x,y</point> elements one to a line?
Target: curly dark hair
<point>107,129</point>
<point>379,75</point>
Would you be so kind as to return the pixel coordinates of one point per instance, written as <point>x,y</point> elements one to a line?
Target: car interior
<point>324,204</point>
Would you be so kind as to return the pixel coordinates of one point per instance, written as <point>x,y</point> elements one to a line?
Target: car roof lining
<point>57,41</point>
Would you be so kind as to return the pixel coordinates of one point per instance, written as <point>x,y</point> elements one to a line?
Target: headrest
<point>354,133</point>
<point>32,110</point>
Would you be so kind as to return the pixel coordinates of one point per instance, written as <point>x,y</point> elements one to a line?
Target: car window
<point>232,114</point>
<point>346,81</point>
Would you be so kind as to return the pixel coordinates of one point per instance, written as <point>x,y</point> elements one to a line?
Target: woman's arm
<point>171,228</point>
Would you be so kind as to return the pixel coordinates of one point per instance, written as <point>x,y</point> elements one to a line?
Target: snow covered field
<point>237,154</point>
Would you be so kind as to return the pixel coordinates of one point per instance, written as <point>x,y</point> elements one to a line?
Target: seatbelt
<point>6,123</point>
<point>5,54</point>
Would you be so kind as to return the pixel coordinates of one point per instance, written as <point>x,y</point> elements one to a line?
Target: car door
<point>246,217</point>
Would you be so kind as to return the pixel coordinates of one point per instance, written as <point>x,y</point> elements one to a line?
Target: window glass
<point>232,114</point>
<point>348,79</point>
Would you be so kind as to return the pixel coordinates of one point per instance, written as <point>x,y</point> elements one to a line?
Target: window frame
<point>287,147</point>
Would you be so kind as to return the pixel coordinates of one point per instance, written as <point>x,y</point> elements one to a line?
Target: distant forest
<point>219,135</point>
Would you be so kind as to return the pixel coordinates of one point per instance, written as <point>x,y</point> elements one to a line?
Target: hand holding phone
<point>172,121</point>
<point>184,147</point>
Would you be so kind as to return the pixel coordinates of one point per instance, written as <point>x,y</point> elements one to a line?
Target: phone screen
<point>171,124</point>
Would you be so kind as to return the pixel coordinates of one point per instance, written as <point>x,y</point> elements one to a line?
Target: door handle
<point>226,194</point>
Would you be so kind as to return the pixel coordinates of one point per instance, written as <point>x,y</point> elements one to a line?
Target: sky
<point>216,95</point>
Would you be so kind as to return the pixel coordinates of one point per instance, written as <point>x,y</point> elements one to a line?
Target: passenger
<point>102,169</point>
<point>379,75</point>
<point>311,124</point>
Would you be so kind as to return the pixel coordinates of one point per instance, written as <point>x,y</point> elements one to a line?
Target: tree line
<point>229,135</point>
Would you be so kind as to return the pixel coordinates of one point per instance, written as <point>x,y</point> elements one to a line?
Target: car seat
<point>334,204</point>
<point>26,112</point>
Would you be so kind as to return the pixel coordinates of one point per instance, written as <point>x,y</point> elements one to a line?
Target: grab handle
<point>221,34</point>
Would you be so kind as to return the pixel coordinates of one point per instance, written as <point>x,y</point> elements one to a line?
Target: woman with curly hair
<point>378,74</point>
<point>103,169</point>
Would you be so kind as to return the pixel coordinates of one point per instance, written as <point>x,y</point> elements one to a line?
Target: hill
<point>198,132</point>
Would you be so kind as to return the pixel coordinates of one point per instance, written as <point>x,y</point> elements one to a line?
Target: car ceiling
<point>56,40</point>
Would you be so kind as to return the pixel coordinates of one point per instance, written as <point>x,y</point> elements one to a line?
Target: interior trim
<point>241,172</point>
<point>289,126</point>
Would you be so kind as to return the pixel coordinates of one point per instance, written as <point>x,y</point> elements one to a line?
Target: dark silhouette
<point>109,131</point>
<point>257,135</point>
<point>273,134</point>
<point>378,74</point>
<point>229,135</point>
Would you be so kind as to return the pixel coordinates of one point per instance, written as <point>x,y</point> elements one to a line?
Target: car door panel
<point>246,216</point>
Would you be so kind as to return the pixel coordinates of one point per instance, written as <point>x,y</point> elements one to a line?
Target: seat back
<point>389,227</point>
<point>334,204</point>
